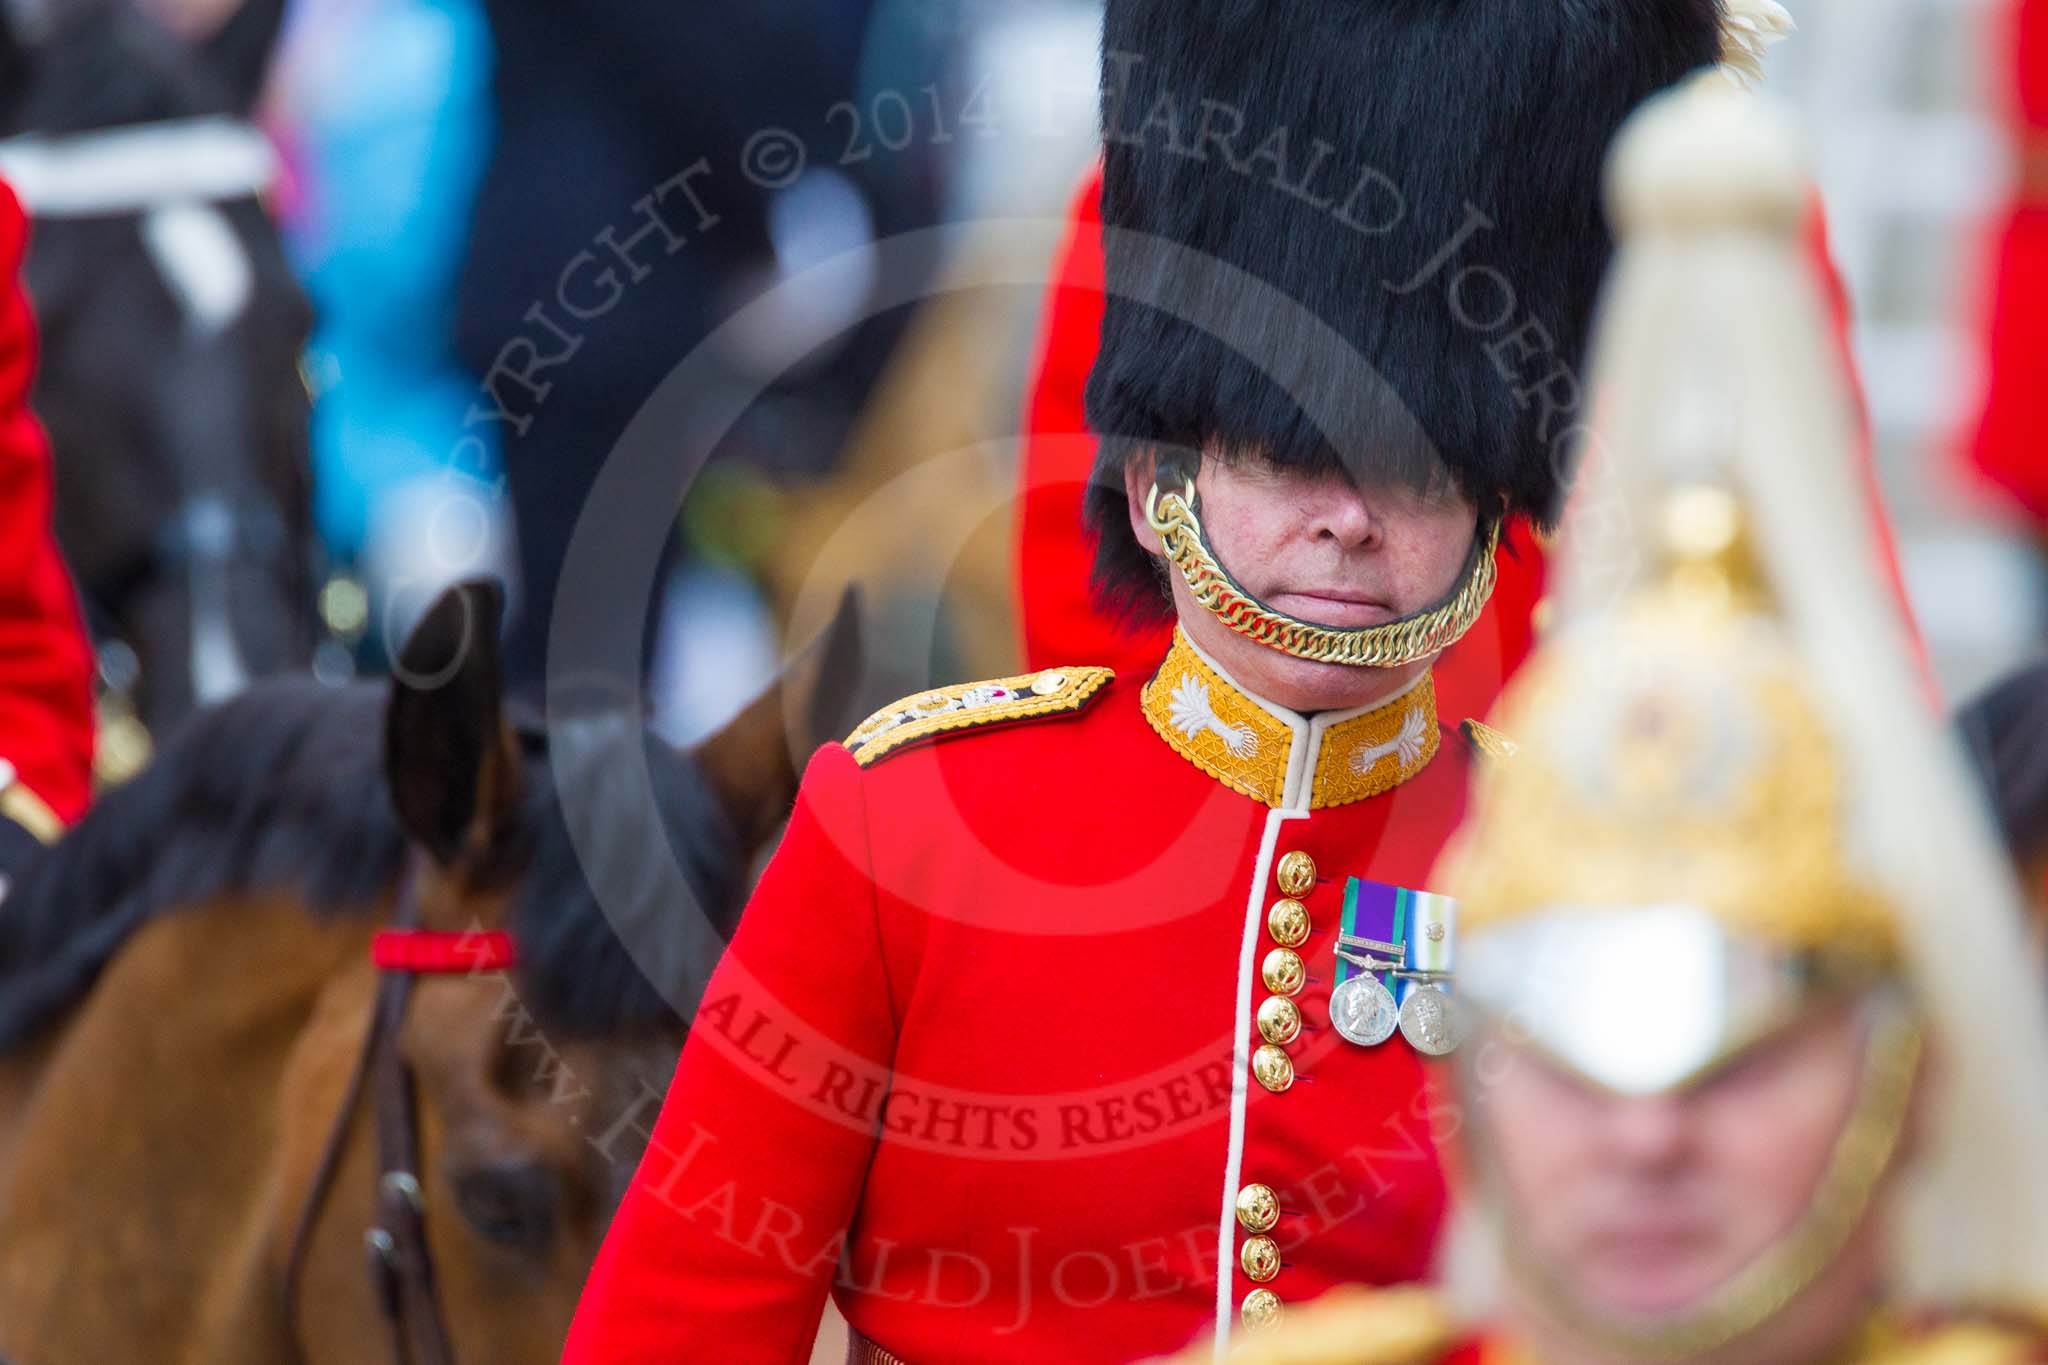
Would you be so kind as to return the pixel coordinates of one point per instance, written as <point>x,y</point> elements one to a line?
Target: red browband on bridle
<point>439,952</point>
<point>401,1267</point>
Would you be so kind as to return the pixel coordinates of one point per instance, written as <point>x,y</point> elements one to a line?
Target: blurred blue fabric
<point>385,106</point>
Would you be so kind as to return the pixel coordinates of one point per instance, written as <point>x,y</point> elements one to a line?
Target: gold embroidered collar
<point>1279,757</point>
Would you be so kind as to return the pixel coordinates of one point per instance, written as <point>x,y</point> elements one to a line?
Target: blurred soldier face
<point>1320,549</point>
<point>1640,1206</point>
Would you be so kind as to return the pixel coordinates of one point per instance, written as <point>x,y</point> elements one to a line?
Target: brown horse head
<point>204,1005</point>
<point>535,1088</point>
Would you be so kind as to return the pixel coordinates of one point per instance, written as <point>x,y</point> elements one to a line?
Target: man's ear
<point>1138,473</point>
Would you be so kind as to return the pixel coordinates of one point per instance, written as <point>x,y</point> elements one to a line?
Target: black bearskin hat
<point>1360,235</point>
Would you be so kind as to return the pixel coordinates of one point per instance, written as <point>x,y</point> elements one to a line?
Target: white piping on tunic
<point>1240,1077</point>
<point>1301,766</point>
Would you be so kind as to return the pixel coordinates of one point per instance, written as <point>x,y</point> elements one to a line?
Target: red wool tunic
<point>985,1060</point>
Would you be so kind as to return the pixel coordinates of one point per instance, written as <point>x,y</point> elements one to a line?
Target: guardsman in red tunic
<point>1752,1060</point>
<point>1051,1031</point>
<point>46,726</point>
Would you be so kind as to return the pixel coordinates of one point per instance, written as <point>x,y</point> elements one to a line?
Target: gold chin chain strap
<point>1391,645</point>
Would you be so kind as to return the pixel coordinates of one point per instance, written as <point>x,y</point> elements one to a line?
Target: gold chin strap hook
<point>1161,522</point>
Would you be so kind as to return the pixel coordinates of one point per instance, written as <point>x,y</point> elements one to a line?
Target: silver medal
<point>1429,1020</point>
<point>1363,1010</point>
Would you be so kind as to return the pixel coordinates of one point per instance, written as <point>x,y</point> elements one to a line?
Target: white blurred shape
<point>820,224</point>
<point>1979,599</point>
<point>716,651</point>
<point>428,534</point>
<point>201,260</point>
<point>127,170</point>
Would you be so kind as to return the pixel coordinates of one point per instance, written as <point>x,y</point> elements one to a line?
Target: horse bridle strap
<point>430,952</point>
<point>401,1265</point>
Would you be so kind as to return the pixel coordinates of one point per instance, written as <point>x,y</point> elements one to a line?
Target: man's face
<point>1325,551</point>
<point>1641,1206</point>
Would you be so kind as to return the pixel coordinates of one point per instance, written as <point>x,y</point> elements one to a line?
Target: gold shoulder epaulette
<point>968,706</point>
<point>1352,1326</point>
<point>1488,742</point>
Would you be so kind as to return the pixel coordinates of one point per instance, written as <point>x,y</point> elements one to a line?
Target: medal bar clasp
<point>1370,963</point>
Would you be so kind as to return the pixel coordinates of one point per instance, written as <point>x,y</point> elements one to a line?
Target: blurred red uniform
<point>2008,444</point>
<point>46,662</point>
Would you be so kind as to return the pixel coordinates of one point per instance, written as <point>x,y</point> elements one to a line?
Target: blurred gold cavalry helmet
<point>1730,805</point>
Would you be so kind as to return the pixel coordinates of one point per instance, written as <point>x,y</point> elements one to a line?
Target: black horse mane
<point>282,789</point>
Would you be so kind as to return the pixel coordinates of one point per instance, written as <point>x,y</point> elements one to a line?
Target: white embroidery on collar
<point>1192,712</point>
<point>1408,744</point>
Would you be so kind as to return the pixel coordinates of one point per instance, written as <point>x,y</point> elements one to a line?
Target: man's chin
<point>1651,1288</point>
